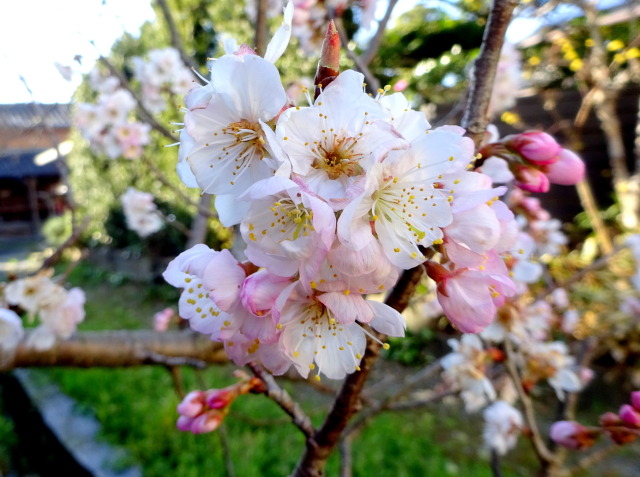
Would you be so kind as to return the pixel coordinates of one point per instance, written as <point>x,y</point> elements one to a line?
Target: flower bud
<point>530,179</point>
<point>629,415</point>
<point>635,400</point>
<point>536,147</point>
<point>572,435</point>
<point>207,422</point>
<point>184,423</point>
<point>220,398</point>
<point>192,404</point>
<point>568,170</point>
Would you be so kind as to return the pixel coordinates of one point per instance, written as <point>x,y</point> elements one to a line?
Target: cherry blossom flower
<point>11,330</point>
<point>321,329</point>
<point>332,145</point>
<point>140,212</point>
<point>226,122</point>
<point>503,424</point>
<point>186,271</point>
<point>465,367</point>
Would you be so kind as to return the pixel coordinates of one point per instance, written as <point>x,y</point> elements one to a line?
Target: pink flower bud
<point>635,400</point>
<point>192,404</point>
<point>572,435</point>
<point>207,422</point>
<point>536,147</point>
<point>220,398</point>
<point>568,170</point>
<point>609,419</point>
<point>184,423</point>
<point>629,415</point>
<point>162,319</point>
<point>400,85</point>
<point>530,179</point>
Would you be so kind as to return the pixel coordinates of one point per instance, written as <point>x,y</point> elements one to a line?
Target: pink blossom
<point>192,404</point>
<point>567,170</point>
<point>400,85</point>
<point>635,400</point>
<point>11,330</point>
<point>162,319</point>
<point>572,434</point>
<point>530,179</point>
<point>630,415</point>
<point>536,147</point>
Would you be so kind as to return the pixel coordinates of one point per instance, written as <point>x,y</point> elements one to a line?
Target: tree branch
<point>372,48</point>
<point>475,117</point>
<point>545,456</point>
<point>122,349</point>
<point>175,36</point>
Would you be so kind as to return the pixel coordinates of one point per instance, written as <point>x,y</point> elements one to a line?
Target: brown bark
<point>475,119</point>
<point>122,349</point>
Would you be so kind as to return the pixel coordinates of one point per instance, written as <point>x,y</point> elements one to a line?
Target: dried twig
<point>545,456</point>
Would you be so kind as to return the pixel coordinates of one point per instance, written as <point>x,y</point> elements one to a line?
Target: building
<point>31,189</point>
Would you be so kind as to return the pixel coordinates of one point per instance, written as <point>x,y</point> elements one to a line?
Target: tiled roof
<point>19,164</point>
<point>34,115</point>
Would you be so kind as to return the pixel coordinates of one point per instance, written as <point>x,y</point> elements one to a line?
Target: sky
<point>35,34</point>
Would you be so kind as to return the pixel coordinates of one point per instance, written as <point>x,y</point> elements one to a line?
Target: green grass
<point>137,410</point>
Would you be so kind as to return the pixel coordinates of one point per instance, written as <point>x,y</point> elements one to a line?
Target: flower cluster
<point>203,411</point>
<point>59,310</point>
<point>140,212</point>
<point>161,74</point>
<point>622,428</point>
<point>334,199</point>
<point>108,124</point>
<point>534,159</point>
<point>108,127</point>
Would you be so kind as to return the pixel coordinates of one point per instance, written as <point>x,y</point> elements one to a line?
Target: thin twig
<point>408,385</point>
<point>588,461</point>
<point>545,456</point>
<point>57,255</point>
<point>161,176</point>
<point>176,379</point>
<point>372,48</point>
<point>346,460</point>
<point>175,36</point>
<point>282,398</point>
<point>226,451</point>
<point>495,464</point>
<point>147,116</point>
